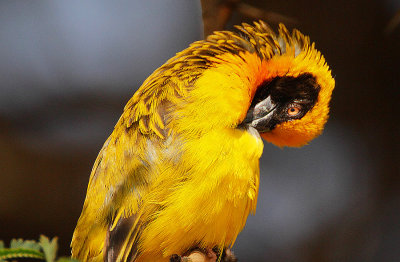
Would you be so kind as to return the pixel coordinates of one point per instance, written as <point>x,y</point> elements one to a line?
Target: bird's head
<point>285,112</point>
<point>291,104</point>
<point>278,84</point>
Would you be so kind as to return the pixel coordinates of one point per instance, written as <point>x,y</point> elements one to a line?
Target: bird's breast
<point>211,204</point>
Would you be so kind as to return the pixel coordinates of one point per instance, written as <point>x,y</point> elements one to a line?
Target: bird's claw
<point>205,255</point>
<point>196,255</point>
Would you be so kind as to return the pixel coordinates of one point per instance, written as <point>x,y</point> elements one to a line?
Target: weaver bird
<point>180,171</point>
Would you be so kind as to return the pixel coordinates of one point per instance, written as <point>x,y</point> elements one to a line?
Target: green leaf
<point>13,253</point>
<point>49,248</point>
<point>27,244</point>
<point>45,249</point>
<point>20,249</point>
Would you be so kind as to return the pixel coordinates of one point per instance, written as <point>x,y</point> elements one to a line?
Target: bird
<point>180,171</point>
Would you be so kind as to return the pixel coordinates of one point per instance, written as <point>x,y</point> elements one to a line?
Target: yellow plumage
<point>178,171</point>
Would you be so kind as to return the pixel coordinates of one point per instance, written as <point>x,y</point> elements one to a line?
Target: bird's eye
<point>294,110</point>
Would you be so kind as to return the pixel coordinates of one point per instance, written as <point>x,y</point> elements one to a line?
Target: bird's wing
<point>122,174</point>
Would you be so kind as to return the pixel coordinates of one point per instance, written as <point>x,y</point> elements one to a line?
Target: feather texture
<point>177,172</point>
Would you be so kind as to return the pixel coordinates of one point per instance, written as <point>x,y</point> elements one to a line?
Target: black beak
<point>261,115</point>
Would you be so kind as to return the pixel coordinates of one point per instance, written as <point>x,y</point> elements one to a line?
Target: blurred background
<point>67,68</point>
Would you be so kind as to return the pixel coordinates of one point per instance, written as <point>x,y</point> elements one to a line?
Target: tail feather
<point>121,240</point>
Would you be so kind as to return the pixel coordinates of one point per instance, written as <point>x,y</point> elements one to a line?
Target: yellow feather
<point>177,171</point>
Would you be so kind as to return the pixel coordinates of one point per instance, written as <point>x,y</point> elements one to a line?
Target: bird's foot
<point>205,255</point>
<point>196,255</point>
<point>228,256</point>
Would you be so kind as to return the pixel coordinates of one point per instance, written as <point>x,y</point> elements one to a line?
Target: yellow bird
<point>180,171</point>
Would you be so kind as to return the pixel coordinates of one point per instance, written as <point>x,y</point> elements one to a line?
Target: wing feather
<point>122,173</point>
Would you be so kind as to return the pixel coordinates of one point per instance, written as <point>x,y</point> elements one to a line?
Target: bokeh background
<point>67,68</point>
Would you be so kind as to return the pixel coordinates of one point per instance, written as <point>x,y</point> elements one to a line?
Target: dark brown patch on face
<point>288,91</point>
<point>287,88</point>
<point>282,99</point>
